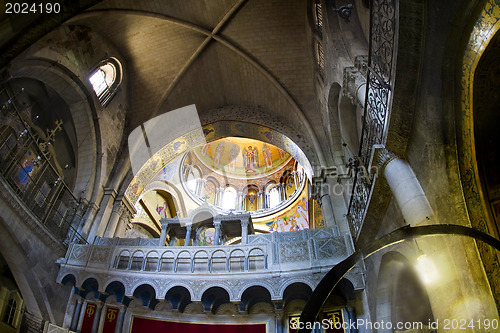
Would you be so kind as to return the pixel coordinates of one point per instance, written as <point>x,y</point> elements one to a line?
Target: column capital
<point>353,79</point>
<point>382,157</point>
<point>361,63</point>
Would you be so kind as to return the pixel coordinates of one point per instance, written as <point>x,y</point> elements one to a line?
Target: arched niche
<point>400,296</point>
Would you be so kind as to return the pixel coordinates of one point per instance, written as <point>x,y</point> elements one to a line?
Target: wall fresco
<point>209,133</point>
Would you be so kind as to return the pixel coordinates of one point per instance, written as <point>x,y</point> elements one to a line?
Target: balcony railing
<point>381,61</point>
<point>27,171</point>
<point>296,251</point>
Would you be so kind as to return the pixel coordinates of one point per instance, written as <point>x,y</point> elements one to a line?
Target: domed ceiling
<point>242,158</point>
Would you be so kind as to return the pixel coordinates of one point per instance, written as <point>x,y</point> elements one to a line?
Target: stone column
<point>97,317</point>
<point>217,224</point>
<point>244,231</point>
<point>118,210</point>
<point>76,314</point>
<point>123,221</point>
<point>119,320</point>
<point>324,200</point>
<point>260,200</point>
<point>354,85</point>
<point>88,219</point>
<point>102,217</point>
<point>405,188</point>
<point>201,190</point>
<point>240,201</point>
<point>188,234</point>
<point>163,235</point>
<point>295,180</point>
<point>282,189</point>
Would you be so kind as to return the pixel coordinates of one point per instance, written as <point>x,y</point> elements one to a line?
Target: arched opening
<point>400,296</point>
<point>105,79</point>
<point>179,297</point>
<point>254,295</point>
<point>213,297</point>
<point>147,295</point>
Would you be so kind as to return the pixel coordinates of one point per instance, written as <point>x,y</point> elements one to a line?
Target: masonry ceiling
<point>212,54</point>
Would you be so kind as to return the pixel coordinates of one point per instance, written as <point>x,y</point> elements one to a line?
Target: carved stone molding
<point>353,79</point>
<point>227,309</point>
<point>194,308</point>
<point>262,307</point>
<point>382,157</point>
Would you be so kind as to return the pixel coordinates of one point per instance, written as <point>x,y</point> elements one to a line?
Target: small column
<point>217,224</point>
<point>244,231</point>
<point>201,190</point>
<point>119,320</point>
<point>240,205</point>
<point>76,314</point>
<point>282,190</point>
<point>118,210</point>
<point>326,204</point>
<point>260,200</point>
<point>97,317</point>
<point>188,234</point>
<point>295,180</point>
<point>163,235</point>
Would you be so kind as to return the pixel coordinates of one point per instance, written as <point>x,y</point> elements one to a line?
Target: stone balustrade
<point>304,255</point>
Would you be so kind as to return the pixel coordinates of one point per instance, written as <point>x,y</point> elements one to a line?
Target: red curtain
<point>88,318</point>
<point>110,319</point>
<point>144,325</point>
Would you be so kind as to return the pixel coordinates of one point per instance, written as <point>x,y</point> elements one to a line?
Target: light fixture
<point>344,11</point>
<point>426,268</point>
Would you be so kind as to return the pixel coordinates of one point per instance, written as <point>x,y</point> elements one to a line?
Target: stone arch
<point>213,297</point>
<point>350,121</point>
<point>399,294</point>
<point>262,284</point>
<point>255,294</point>
<point>170,189</point>
<point>301,283</point>
<point>90,285</point>
<point>146,293</point>
<point>179,296</point>
<point>217,285</point>
<point>69,278</point>
<point>78,99</point>
<point>202,213</point>
<point>115,288</point>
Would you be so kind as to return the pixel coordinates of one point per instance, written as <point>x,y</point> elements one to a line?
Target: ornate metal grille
<point>26,168</point>
<point>31,324</point>
<point>381,58</point>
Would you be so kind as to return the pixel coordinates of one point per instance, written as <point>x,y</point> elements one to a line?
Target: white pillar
<point>407,191</point>
<point>217,224</point>
<point>188,234</point>
<point>163,235</point>
<point>244,231</point>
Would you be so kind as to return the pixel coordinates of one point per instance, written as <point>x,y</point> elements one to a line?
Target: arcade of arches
<point>202,165</point>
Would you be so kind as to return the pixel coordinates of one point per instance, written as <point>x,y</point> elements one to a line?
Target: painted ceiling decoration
<point>208,134</point>
<point>241,157</point>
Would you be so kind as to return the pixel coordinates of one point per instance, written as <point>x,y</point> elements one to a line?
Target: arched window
<point>274,197</point>
<point>193,174</point>
<point>10,312</point>
<point>105,79</point>
<point>229,198</point>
